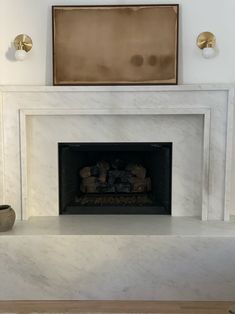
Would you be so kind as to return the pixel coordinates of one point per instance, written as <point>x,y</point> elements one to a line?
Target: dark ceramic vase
<point>7,218</point>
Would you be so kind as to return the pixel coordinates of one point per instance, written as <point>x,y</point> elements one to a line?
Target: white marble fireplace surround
<point>117,257</point>
<point>197,119</point>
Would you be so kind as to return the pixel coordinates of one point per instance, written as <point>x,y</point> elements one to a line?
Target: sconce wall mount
<point>206,41</point>
<point>23,44</point>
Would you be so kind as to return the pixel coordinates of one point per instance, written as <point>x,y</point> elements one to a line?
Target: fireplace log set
<point>114,177</point>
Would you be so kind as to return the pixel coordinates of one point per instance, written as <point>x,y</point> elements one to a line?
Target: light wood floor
<point>115,307</point>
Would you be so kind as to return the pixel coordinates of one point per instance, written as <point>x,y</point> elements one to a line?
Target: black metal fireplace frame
<point>114,210</point>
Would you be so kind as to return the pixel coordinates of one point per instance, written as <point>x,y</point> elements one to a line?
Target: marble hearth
<point>196,119</point>
<point>157,258</point>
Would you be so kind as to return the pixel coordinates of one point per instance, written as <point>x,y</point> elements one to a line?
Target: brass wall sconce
<point>23,44</point>
<point>206,41</point>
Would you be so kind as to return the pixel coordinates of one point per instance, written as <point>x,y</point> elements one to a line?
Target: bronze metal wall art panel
<point>115,44</point>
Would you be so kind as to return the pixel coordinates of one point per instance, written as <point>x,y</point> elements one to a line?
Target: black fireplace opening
<point>115,178</point>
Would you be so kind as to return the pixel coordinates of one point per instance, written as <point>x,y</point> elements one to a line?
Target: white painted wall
<point>34,18</point>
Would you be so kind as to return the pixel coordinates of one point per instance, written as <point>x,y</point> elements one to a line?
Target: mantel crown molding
<point>133,88</point>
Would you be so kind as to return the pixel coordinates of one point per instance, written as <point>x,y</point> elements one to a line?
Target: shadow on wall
<point>10,53</point>
<point>180,49</point>
<point>49,50</point>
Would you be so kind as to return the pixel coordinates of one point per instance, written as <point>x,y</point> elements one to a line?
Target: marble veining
<point>197,119</point>
<point>186,178</point>
<point>117,257</point>
<point>117,268</point>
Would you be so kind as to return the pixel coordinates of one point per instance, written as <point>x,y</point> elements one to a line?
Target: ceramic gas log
<point>115,178</point>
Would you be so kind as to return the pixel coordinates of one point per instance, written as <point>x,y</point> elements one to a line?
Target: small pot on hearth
<point>7,218</point>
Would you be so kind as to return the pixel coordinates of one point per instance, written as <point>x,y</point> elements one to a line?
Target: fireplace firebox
<point>115,178</point>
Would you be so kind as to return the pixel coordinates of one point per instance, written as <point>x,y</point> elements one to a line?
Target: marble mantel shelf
<point>42,88</point>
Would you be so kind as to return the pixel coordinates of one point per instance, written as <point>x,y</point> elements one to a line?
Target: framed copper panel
<point>115,45</point>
